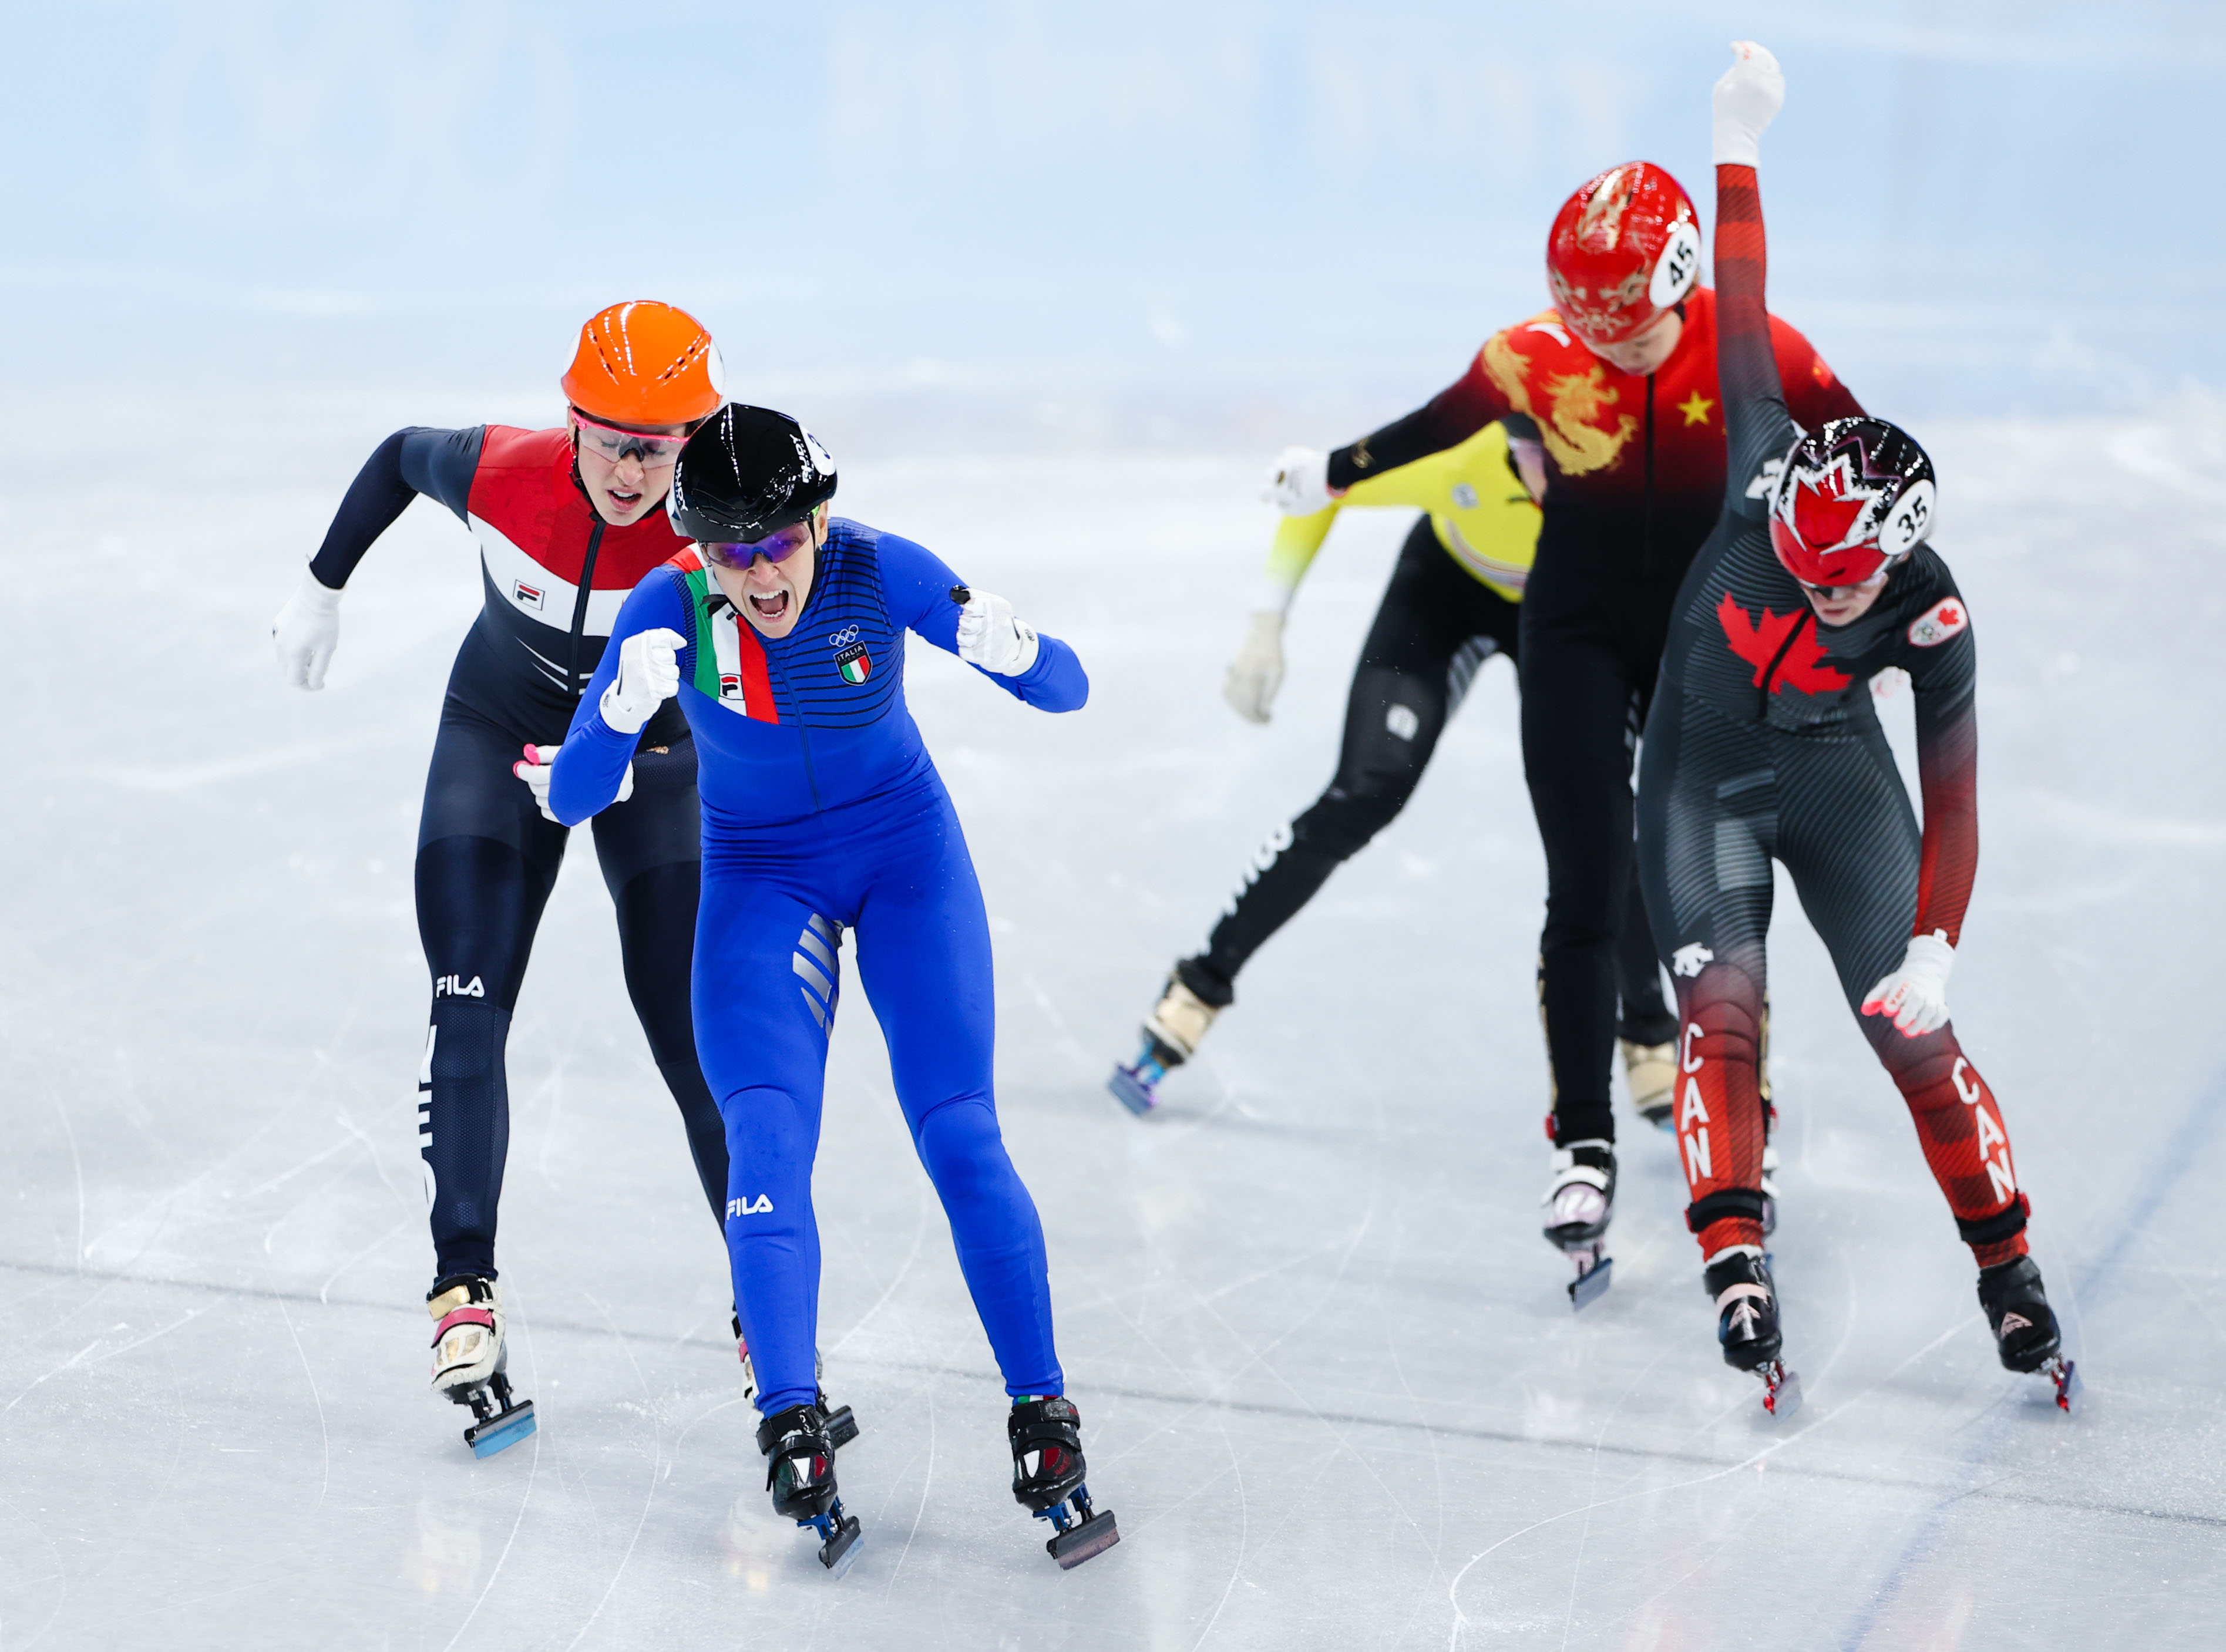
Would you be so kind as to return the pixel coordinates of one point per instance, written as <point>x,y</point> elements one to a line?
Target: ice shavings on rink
<point>1329,1374</point>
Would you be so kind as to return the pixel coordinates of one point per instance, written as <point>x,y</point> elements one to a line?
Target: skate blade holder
<point>844,1537</point>
<point>502,1422</point>
<point>841,1426</point>
<point>1595,1273</point>
<point>1080,1540</point>
<point>1133,1091</point>
<point>2064,1374</point>
<point>1781,1388</point>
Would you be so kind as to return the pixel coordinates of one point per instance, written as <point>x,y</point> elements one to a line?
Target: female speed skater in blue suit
<point>781,632</point>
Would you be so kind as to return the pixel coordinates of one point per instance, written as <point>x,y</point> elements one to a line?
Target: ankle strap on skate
<point>2003,1224</point>
<point>455,1317</point>
<point>1745,1202</point>
<point>1044,1422</point>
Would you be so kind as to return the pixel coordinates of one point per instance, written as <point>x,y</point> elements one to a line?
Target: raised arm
<point>979,627</point>
<point>1757,426</point>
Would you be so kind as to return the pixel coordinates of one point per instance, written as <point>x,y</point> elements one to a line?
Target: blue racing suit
<point>822,812</point>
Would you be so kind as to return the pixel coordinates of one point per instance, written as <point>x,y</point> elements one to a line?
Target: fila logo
<point>762,1206</point>
<point>528,596</point>
<point>453,987</point>
<point>1552,330</point>
<point>1939,622</point>
<point>730,688</point>
<point>1688,959</point>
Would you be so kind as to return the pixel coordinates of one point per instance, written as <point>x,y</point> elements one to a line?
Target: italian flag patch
<point>855,662</point>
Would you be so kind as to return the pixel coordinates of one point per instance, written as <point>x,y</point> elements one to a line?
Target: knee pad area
<point>468,1037</point>
<point>1344,821</point>
<point>963,1149</point>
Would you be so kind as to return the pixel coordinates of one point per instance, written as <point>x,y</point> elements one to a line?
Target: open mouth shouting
<point>771,607</point>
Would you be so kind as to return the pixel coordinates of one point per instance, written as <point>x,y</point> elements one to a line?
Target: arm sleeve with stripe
<point>1757,426</point>
<point>411,461</point>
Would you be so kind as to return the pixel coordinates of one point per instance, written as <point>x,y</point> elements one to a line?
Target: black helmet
<point>748,471</point>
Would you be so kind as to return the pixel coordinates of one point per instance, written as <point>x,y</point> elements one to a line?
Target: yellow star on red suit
<point>1696,409</point>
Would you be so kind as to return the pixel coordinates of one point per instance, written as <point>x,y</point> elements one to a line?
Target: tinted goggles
<point>610,442</point>
<point>776,547</point>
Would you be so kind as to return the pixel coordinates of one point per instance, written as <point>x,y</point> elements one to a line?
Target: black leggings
<point>486,860</point>
<point>1433,632</point>
<point>1592,647</point>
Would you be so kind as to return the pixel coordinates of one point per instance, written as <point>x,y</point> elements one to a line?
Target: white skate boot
<point>470,1361</point>
<point>1580,1203</point>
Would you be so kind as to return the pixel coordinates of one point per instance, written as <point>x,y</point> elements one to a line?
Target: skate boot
<point>800,1474</point>
<point>1651,1072</point>
<point>2025,1327</point>
<point>1172,1032</point>
<point>470,1361</point>
<point>1579,1203</point>
<point>1047,1470</point>
<point>841,1426</point>
<point>1746,1324</point>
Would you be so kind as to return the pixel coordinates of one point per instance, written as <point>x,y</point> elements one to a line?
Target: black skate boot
<point>842,1426</point>
<point>1746,1324</point>
<point>1580,1203</point>
<point>1047,1470</point>
<point>800,1474</point>
<point>2024,1329</point>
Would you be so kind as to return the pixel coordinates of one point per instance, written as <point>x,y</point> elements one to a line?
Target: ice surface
<point>1330,1380</point>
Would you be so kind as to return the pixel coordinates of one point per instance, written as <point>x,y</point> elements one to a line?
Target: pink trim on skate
<point>463,1317</point>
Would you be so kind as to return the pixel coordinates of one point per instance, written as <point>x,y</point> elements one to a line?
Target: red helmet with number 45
<point>1623,249</point>
<point>1853,495</point>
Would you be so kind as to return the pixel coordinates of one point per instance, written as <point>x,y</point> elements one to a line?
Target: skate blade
<point>1087,1541</point>
<point>501,1431</point>
<point>842,1427</point>
<point>1591,1284</point>
<point>1781,1395</point>
<point>2064,1374</point>
<point>839,1552</point>
<point>1133,1091</point>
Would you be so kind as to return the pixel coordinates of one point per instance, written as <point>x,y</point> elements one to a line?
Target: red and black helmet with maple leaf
<point>1853,495</point>
<point>1623,249</point>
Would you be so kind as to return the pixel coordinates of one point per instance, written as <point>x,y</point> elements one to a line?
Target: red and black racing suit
<point>1635,475</point>
<point>1764,744</point>
<point>555,576</point>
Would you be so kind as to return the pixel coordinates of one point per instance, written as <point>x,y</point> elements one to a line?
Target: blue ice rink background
<point>1053,282</point>
<point>1179,208</point>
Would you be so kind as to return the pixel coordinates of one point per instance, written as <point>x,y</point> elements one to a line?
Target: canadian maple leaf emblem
<point>1759,644</point>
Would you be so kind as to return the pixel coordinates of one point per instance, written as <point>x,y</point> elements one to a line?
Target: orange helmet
<point>646,363</point>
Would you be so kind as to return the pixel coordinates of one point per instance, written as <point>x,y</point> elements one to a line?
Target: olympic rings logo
<point>843,638</point>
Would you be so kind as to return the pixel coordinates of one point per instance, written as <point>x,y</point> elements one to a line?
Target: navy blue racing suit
<point>555,576</point>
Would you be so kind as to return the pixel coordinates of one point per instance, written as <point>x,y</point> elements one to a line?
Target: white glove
<point>539,763</point>
<point>1257,671</point>
<point>1298,482</point>
<point>1745,101</point>
<point>306,631</point>
<point>1916,994</point>
<point>991,636</point>
<point>649,674</point>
